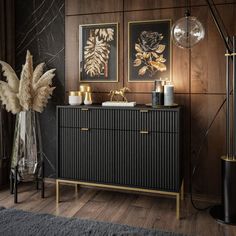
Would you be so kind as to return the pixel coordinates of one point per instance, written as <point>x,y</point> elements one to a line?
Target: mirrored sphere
<point>187,32</point>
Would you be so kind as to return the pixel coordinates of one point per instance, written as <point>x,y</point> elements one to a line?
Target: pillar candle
<point>168,94</point>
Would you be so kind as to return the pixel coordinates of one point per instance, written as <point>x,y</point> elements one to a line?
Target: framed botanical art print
<point>149,50</point>
<point>98,52</point>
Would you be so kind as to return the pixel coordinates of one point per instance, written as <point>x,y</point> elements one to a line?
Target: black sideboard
<point>121,148</point>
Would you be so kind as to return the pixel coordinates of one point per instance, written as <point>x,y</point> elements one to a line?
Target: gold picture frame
<point>99,65</point>
<point>143,40</point>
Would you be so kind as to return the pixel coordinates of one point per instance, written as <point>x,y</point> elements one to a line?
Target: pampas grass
<point>32,91</point>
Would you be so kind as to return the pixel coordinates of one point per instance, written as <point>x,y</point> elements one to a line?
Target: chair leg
<point>11,183</point>
<point>42,181</point>
<point>15,184</point>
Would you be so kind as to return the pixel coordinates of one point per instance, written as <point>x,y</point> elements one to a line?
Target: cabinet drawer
<point>128,158</point>
<point>120,119</point>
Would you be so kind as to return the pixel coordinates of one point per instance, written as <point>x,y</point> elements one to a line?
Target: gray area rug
<point>21,223</point>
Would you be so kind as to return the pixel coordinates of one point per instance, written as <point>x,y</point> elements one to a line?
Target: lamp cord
<point>197,157</point>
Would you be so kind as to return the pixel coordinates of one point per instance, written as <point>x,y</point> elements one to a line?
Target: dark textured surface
<point>113,151</point>
<point>40,28</point>
<point>16,222</point>
<point>7,50</point>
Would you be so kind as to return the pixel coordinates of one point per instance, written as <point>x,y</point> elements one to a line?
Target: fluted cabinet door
<point>87,155</point>
<point>147,160</point>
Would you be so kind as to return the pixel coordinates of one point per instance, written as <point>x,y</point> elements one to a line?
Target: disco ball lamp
<point>187,32</point>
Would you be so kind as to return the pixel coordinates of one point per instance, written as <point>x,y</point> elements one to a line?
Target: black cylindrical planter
<point>157,98</point>
<point>226,213</point>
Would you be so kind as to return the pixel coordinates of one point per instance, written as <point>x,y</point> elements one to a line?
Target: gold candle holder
<point>85,88</point>
<point>75,97</point>
<point>88,98</point>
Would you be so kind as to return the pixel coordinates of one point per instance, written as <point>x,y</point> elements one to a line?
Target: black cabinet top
<point>137,107</point>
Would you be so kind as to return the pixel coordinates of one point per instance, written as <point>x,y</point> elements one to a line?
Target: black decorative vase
<point>157,98</point>
<point>226,212</point>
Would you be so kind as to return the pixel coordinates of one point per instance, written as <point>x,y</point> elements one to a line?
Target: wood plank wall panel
<point>72,46</point>
<point>131,5</point>
<point>76,7</point>
<point>199,74</point>
<point>180,57</point>
<point>207,58</point>
<point>203,109</point>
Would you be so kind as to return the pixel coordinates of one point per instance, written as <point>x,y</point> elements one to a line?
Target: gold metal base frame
<point>179,195</point>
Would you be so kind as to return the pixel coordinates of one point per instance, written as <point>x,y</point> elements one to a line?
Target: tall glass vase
<point>27,146</point>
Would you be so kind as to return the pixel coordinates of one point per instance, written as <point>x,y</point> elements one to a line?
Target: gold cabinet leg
<point>76,188</point>
<point>178,206</point>
<point>57,191</point>
<point>182,191</point>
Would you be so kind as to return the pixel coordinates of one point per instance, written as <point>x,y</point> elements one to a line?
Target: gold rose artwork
<point>149,50</point>
<point>98,52</point>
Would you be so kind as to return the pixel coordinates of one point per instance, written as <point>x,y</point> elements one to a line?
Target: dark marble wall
<point>40,28</point>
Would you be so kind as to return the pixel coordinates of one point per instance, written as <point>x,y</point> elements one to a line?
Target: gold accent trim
<point>84,129</point>
<point>176,194</point>
<point>117,52</point>
<point>57,191</point>
<point>182,191</point>
<point>230,54</point>
<point>75,93</point>
<point>84,109</point>
<point>225,158</point>
<point>171,49</point>
<point>118,187</point>
<point>76,189</point>
<point>178,206</point>
<point>144,111</point>
<point>143,132</point>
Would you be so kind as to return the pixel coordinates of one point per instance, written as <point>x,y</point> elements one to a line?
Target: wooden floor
<point>123,208</point>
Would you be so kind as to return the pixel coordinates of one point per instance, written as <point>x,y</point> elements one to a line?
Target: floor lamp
<point>187,32</point>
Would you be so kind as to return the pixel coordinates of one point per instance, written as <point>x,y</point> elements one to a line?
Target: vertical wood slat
<point>120,157</point>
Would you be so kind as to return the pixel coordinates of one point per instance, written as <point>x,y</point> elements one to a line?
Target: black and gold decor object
<point>118,93</point>
<point>149,50</point>
<point>226,211</point>
<point>141,151</point>
<point>158,93</point>
<point>98,50</point>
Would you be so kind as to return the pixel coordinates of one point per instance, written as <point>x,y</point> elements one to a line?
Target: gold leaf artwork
<point>142,71</point>
<point>158,65</point>
<point>137,62</point>
<point>97,50</point>
<point>149,53</point>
